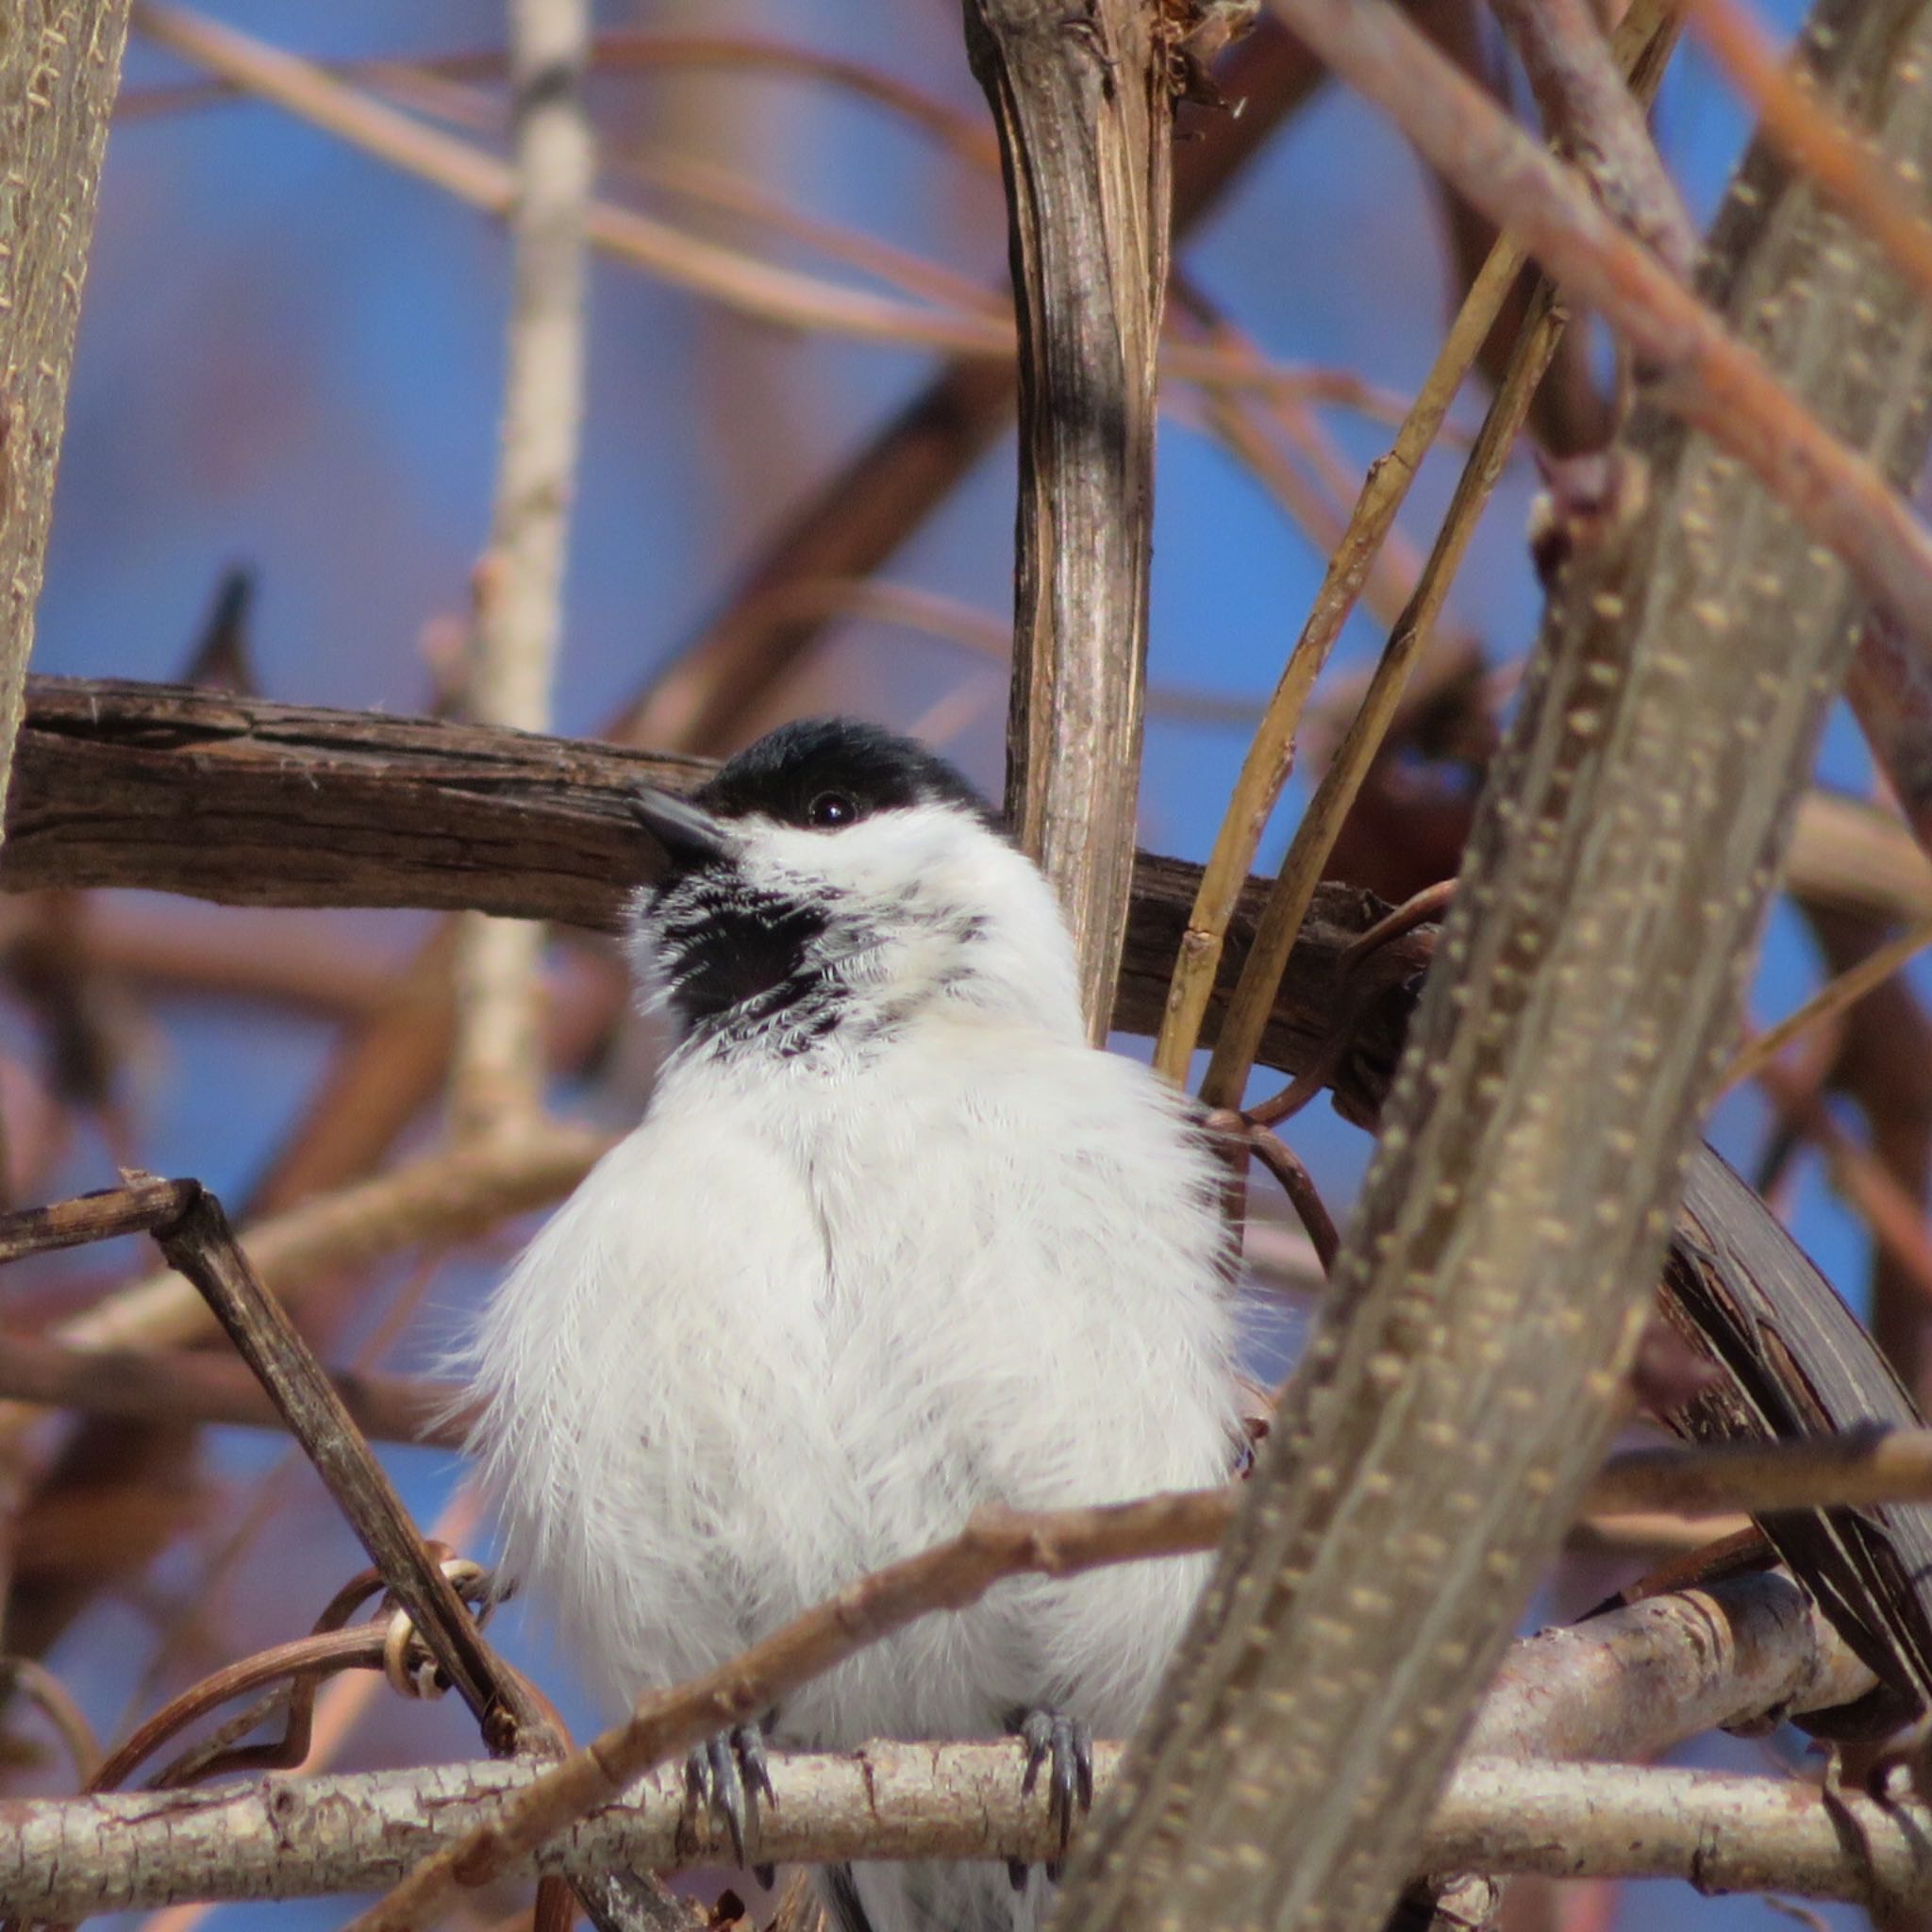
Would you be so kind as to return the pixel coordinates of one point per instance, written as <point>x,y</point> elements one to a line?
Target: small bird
<point>891,1241</point>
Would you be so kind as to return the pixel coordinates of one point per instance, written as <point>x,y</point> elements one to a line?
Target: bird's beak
<point>689,834</point>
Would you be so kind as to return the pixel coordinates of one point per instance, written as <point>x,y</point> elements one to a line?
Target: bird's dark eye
<point>831,808</point>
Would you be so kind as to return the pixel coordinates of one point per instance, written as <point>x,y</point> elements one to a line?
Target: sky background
<point>290,359</point>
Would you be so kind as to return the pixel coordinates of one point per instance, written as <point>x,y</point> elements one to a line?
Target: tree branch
<point>283,1837</point>
<point>248,802</point>
<point>59,68</point>
<point>497,1072</point>
<point>1084,120</point>
<point>1457,1392</point>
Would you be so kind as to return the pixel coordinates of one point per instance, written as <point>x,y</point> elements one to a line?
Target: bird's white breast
<point>813,1313</point>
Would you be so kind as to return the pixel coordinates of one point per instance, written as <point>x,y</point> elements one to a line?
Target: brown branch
<point>199,1244</point>
<point>58,72</point>
<point>181,1384</point>
<point>249,802</point>
<point>445,1196</point>
<point>626,50</point>
<point>1726,1655</point>
<point>1495,1281</point>
<point>1084,121</point>
<point>1692,364</point>
<point>1597,122</point>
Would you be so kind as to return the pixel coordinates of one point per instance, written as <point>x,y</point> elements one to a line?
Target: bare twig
<point>1847,989</point>
<point>471,175</point>
<point>56,1703</point>
<point>1597,122</point>
<point>474,175</point>
<point>1301,870</point>
<point>442,1197</point>
<point>1694,365</point>
<point>199,1244</point>
<point>181,1384</point>
<point>635,51</point>
<point>1271,755</point>
<point>497,1078</point>
<point>1861,1467</point>
<point>1282,1161</point>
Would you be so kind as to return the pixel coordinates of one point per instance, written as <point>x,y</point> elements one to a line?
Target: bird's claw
<point>728,1773</point>
<point>1063,1747</point>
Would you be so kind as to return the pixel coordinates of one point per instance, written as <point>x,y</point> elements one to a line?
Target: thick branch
<point>59,67</point>
<point>1083,119</point>
<point>1726,1655</point>
<point>287,1838</point>
<point>1456,1396</point>
<point>253,803</point>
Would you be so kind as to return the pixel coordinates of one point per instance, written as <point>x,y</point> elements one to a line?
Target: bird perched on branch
<point>891,1243</point>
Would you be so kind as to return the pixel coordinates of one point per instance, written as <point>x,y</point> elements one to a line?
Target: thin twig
<point>182,1385</point>
<point>1271,756</point>
<point>198,1243</point>
<point>444,1197</point>
<point>51,1697</point>
<point>997,1543</point>
<point>635,51</point>
<point>1301,871</point>
<point>1280,1159</point>
<point>743,282</point>
<point>1694,365</point>
<point>1829,1000</point>
<point>474,175</point>
<point>496,1073</point>
<point>1594,119</point>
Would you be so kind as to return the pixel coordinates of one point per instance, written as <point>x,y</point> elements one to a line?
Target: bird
<point>892,1240</point>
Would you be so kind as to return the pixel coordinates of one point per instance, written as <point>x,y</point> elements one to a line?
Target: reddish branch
<point>1691,361</point>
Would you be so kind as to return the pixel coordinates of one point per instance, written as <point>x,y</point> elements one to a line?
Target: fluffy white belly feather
<point>797,1327</point>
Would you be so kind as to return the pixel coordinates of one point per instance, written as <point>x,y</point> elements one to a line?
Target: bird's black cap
<point>828,771</point>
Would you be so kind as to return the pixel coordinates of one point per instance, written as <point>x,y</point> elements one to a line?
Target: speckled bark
<point>1719,1657</point>
<point>1462,1384</point>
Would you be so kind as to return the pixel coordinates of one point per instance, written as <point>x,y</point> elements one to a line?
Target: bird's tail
<point>976,1897</point>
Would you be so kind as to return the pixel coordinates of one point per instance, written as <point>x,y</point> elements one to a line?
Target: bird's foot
<point>729,1775</point>
<point>1063,1747</point>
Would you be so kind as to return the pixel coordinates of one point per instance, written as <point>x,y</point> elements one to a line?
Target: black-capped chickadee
<point>890,1243</point>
